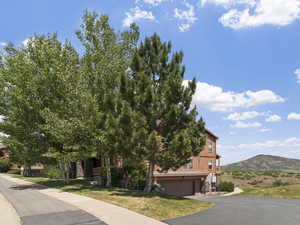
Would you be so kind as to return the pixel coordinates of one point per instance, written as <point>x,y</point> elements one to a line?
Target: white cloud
<point>294,116</point>
<point>264,12</point>
<point>263,130</point>
<point>25,42</point>
<point>243,116</point>
<point>186,17</point>
<point>216,99</point>
<point>297,73</point>
<point>137,14</point>
<point>240,124</point>
<point>273,118</point>
<point>3,44</point>
<point>229,3</point>
<point>289,142</point>
<point>154,2</point>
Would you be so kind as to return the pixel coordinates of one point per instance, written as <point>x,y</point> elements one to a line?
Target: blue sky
<point>243,53</point>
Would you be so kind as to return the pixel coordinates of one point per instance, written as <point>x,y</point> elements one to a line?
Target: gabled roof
<point>2,146</point>
<point>211,133</point>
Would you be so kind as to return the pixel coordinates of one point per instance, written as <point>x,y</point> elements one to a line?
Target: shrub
<point>53,172</point>
<point>255,182</point>
<point>279,183</point>
<point>226,186</point>
<point>5,165</point>
<point>14,171</point>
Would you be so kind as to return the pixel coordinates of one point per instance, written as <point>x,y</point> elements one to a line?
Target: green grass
<point>157,206</point>
<point>288,191</point>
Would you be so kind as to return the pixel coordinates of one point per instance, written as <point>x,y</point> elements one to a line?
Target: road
<point>245,211</point>
<point>35,208</point>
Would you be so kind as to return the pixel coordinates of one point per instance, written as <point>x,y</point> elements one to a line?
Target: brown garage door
<point>178,187</point>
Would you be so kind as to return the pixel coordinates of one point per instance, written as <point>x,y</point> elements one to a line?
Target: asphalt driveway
<point>245,211</point>
<point>35,208</point>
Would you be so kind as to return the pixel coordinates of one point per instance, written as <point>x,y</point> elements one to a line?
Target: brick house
<point>201,174</point>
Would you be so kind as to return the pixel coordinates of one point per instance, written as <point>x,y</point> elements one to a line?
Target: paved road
<point>35,208</point>
<point>245,211</point>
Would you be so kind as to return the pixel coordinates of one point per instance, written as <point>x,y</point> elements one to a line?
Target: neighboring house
<point>3,152</point>
<point>200,175</point>
<point>36,169</point>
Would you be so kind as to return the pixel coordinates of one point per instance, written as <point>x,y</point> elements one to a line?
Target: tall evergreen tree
<point>173,132</point>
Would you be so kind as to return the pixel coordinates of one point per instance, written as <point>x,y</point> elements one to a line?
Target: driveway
<point>245,211</point>
<point>35,208</point>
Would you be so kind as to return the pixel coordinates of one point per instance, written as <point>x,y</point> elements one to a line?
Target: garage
<point>178,187</point>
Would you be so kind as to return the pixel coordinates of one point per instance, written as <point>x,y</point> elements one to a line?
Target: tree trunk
<point>126,179</point>
<point>65,169</point>
<point>66,173</point>
<point>108,172</point>
<point>149,181</point>
<point>27,171</point>
<point>73,170</point>
<point>87,169</point>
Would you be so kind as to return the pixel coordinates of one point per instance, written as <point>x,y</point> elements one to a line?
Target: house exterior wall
<point>205,178</point>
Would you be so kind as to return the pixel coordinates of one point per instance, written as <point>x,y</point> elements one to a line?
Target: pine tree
<point>161,98</point>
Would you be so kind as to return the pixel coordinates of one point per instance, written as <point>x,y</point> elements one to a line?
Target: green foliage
<point>279,183</point>
<point>16,172</point>
<point>118,99</point>
<point>52,171</point>
<point>226,186</point>
<point>163,100</point>
<point>255,182</point>
<point>5,165</point>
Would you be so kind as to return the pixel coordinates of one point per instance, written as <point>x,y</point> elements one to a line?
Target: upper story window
<point>210,147</point>
<point>189,165</point>
<point>210,164</point>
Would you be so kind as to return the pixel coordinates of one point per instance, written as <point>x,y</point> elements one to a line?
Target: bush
<point>53,172</point>
<point>255,182</point>
<point>279,183</point>
<point>5,165</point>
<point>18,172</point>
<point>226,186</point>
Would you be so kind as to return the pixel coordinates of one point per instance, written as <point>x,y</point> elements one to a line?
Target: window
<point>210,164</point>
<point>189,165</point>
<point>210,147</point>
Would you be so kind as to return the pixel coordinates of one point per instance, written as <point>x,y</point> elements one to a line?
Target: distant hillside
<point>266,163</point>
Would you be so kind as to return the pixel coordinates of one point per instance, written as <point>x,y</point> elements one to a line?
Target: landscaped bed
<point>154,205</point>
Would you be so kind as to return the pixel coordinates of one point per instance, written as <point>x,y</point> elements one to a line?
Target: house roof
<point>211,133</point>
<point>2,146</point>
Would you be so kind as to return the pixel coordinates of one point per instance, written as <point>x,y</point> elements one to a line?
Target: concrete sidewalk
<point>236,191</point>
<point>108,213</point>
<point>8,214</point>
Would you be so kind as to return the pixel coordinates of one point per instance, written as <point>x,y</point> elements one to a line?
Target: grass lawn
<point>288,191</point>
<point>157,206</point>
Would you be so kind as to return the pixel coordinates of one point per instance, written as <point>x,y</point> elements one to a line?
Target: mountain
<point>266,163</point>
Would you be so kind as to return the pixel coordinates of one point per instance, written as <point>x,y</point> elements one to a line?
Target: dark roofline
<point>211,133</point>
